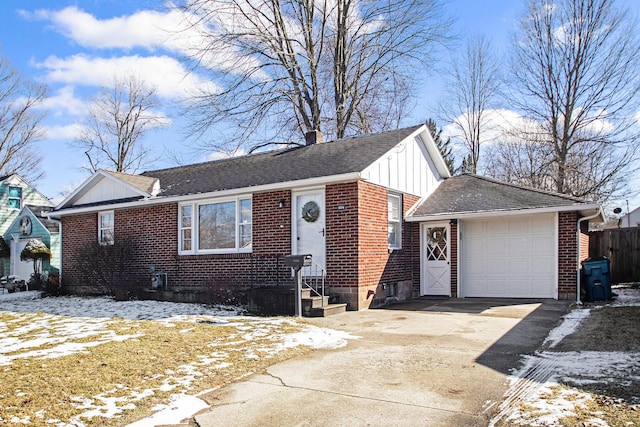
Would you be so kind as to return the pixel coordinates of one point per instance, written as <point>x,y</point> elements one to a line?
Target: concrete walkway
<point>423,363</point>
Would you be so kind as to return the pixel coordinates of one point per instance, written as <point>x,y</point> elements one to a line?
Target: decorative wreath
<point>310,211</point>
<point>437,236</point>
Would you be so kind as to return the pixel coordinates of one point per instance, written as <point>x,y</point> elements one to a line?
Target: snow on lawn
<point>46,328</point>
<point>546,388</point>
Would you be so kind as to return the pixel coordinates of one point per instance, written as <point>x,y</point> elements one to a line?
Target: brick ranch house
<point>380,214</point>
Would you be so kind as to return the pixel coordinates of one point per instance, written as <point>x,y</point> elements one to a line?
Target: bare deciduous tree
<point>117,121</point>
<point>20,123</point>
<point>473,84</point>
<point>293,66</point>
<point>576,75</point>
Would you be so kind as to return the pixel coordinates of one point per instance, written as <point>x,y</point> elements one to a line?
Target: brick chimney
<point>313,137</point>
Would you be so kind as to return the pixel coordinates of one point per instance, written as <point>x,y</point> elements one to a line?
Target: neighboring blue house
<point>23,217</point>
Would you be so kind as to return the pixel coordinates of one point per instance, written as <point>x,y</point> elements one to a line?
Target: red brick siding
<point>567,254</point>
<point>154,232</point>
<point>357,255</point>
<point>77,232</point>
<point>342,239</point>
<point>271,223</point>
<point>358,258</point>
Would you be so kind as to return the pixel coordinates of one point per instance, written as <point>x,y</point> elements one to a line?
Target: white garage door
<point>513,257</point>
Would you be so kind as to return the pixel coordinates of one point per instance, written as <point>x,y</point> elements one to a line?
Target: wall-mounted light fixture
<point>282,203</point>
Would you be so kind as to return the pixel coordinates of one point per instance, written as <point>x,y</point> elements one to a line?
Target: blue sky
<point>75,47</point>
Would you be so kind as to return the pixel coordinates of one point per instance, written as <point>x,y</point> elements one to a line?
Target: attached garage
<point>513,257</point>
<point>493,239</point>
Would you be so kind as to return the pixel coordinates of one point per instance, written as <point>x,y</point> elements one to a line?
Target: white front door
<point>436,259</point>
<point>22,269</point>
<point>309,225</point>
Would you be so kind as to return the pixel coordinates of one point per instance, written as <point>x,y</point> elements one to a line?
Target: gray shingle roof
<point>49,224</point>
<point>338,157</point>
<point>468,194</point>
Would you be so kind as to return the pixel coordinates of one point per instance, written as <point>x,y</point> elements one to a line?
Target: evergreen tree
<point>443,145</point>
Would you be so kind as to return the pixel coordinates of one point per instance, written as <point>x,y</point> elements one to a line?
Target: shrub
<point>37,252</point>
<point>105,268</point>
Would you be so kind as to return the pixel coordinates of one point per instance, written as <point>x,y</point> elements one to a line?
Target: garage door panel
<point>494,229</point>
<point>509,257</point>
<point>496,247</point>
<point>518,266</point>
<point>497,267</point>
<point>518,245</point>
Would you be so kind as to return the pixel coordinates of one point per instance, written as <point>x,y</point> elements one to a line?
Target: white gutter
<point>505,212</point>
<point>586,218</point>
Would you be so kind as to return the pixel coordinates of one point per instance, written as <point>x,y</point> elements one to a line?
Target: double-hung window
<point>394,221</point>
<point>15,198</point>
<point>105,228</point>
<point>220,226</point>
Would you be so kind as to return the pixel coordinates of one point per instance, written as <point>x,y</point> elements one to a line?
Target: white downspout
<point>586,218</point>
<point>60,234</point>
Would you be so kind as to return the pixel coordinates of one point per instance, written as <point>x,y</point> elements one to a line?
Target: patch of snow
<point>57,326</point>
<point>182,406</point>
<point>535,396</point>
<point>569,325</point>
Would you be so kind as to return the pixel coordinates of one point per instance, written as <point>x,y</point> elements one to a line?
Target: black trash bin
<point>596,278</point>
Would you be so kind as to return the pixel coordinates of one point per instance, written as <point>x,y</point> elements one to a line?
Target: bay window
<point>215,226</point>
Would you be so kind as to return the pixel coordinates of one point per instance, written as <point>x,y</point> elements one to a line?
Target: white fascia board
<point>85,187</point>
<point>583,209</point>
<point>433,150</point>
<point>150,201</point>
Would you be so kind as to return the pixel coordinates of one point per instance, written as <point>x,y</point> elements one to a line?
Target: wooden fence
<point>622,247</point>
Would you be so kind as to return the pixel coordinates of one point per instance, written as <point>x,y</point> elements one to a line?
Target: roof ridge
<point>366,135</point>
<point>293,146</point>
<point>522,187</point>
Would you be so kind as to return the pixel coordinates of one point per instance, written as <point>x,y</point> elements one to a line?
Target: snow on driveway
<point>58,326</point>
<point>535,398</point>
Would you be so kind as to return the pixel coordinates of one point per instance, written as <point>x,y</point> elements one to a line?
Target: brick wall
<point>357,257</point>
<point>154,232</point>
<point>360,266</point>
<point>567,254</point>
<point>77,232</point>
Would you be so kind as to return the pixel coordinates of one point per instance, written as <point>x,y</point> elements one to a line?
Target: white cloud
<point>65,101</point>
<point>145,28</point>
<point>495,124</point>
<point>167,75</point>
<point>219,155</point>
<point>149,30</point>
<point>62,132</point>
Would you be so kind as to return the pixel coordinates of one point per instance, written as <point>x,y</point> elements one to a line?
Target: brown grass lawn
<point>121,372</point>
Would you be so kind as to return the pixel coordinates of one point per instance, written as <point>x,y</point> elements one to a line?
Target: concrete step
<point>327,310</point>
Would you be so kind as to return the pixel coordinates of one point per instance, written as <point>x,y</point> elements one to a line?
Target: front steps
<point>312,305</point>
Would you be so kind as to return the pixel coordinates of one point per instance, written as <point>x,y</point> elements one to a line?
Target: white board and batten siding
<point>509,257</point>
<point>106,189</point>
<point>406,168</point>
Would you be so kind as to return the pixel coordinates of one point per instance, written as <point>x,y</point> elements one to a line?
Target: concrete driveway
<point>422,363</point>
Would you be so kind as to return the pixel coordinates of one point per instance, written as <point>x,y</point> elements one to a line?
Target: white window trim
<point>195,223</point>
<point>399,221</point>
<point>10,198</point>
<point>100,214</point>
